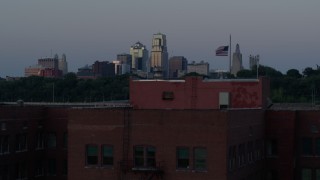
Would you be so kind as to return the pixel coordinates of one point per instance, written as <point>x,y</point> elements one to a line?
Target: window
<point>21,142</point>
<point>3,126</point>
<point>242,154</point>
<point>182,158</point>
<point>250,151</point>
<point>200,158</point>
<point>107,155</point>
<point>317,174</point>
<point>21,170</point>
<point>258,149</point>
<point>306,174</point>
<point>65,167</point>
<point>307,146</point>
<point>52,169</point>
<point>39,168</point>
<point>144,156</point>
<point>4,172</point>
<point>318,146</point>
<point>4,145</point>
<point>65,140</point>
<point>167,95</point>
<point>232,157</point>
<point>272,175</point>
<point>92,155</point>
<point>51,140</point>
<point>40,140</point>
<point>272,147</point>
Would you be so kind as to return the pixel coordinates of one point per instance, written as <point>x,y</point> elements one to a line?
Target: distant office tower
<point>51,63</point>
<point>103,69</point>
<point>177,66</point>
<point>159,56</point>
<point>200,68</point>
<point>33,70</point>
<point>236,61</point>
<point>253,61</point>
<point>85,72</point>
<point>125,58</point>
<point>63,65</point>
<point>139,55</point>
<point>120,68</point>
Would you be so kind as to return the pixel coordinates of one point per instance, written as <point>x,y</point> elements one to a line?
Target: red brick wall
<point>163,129</point>
<point>194,93</point>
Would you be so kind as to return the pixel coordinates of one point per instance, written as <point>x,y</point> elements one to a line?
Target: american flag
<point>222,51</point>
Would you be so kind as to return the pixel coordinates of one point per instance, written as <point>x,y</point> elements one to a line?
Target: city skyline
<point>284,34</point>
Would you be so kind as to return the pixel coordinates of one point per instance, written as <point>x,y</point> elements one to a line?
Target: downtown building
<point>177,67</point>
<point>159,57</point>
<point>169,129</point>
<point>236,61</point>
<point>140,56</point>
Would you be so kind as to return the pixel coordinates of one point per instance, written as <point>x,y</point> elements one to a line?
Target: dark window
<point>107,155</point>
<point>200,158</point>
<point>232,157</point>
<point>65,140</point>
<point>307,146</point>
<point>306,174</point>
<point>182,158</point>
<point>21,142</point>
<point>52,168</point>
<point>92,155</point>
<point>21,170</point>
<point>167,95</point>
<point>272,175</point>
<point>272,147</point>
<point>250,151</point>
<point>4,145</point>
<point>51,140</point>
<point>4,172</point>
<point>317,174</point>
<point>39,168</point>
<point>40,140</point>
<point>241,156</point>
<point>318,146</point>
<point>3,126</point>
<point>65,167</point>
<point>144,156</point>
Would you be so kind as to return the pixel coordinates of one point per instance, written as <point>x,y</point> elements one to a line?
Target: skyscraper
<point>253,61</point>
<point>124,58</point>
<point>139,55</point>
<point>63,65</point>
<point>236,61</point>
<point>177,66</point>
<point>159,56</point>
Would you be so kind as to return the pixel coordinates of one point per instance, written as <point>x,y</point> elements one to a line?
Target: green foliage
<point>67,89</point>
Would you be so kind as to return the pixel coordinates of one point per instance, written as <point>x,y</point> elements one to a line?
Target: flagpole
<point>230,55</point>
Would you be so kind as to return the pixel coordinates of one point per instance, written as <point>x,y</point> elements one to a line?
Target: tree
<point>293,73</point>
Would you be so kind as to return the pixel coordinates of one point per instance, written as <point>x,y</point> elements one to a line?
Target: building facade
<point>253,61</point>
<point>177,67</point>
<point>236,61</point>
<point>63,64</point>
<point>140,56</point>
<point>201,68</point>
<point>159,56</point>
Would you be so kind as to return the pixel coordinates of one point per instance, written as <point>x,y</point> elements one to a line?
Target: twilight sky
<point>285,33</point>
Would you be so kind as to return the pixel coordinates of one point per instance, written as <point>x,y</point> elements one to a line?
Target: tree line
<point>66,89</point>
<point>292,87</point>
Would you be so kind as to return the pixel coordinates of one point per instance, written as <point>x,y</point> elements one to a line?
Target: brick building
<point>169,140</point>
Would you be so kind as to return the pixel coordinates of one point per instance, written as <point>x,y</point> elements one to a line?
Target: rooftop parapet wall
<point>198,93</point>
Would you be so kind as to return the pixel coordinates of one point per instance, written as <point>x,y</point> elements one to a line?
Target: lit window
<point>107,155</point>
<point>200,158</point>
<point>182,158</point>
<point>92,155</point>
